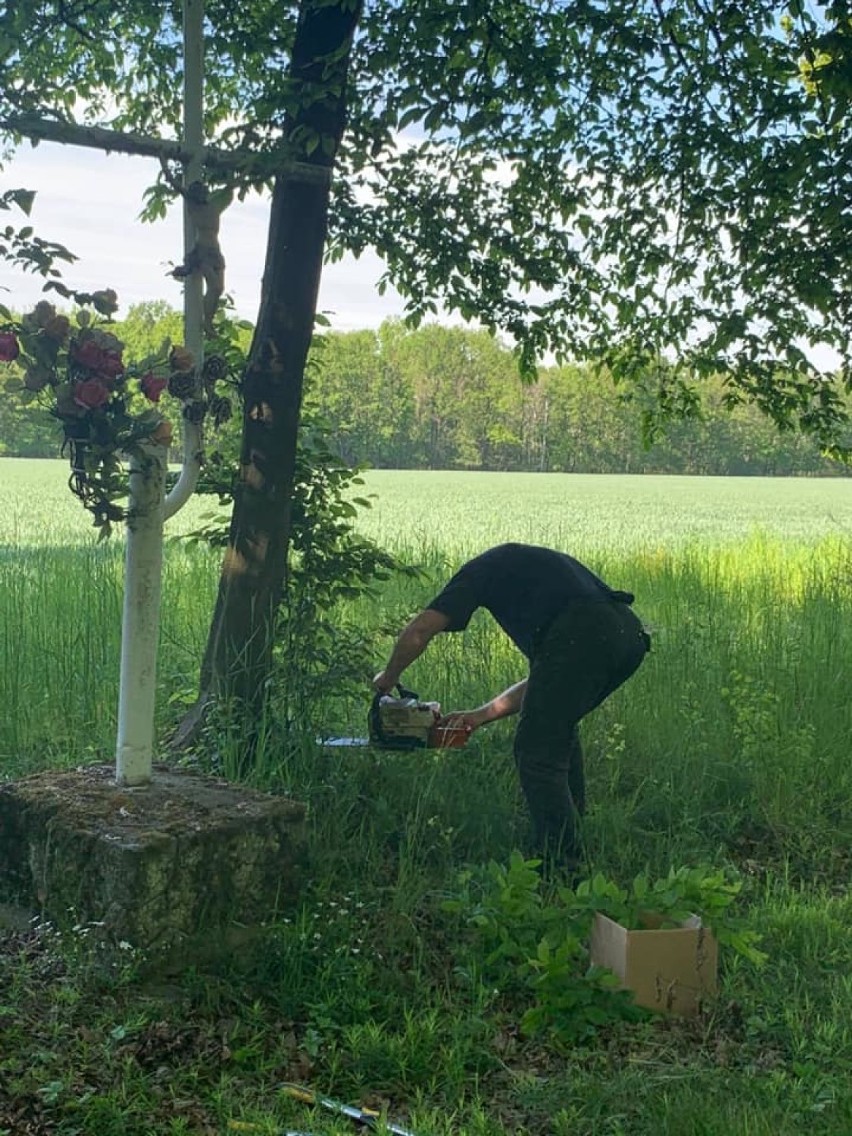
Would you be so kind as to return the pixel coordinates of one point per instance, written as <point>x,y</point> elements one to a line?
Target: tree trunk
<point>238,655</point>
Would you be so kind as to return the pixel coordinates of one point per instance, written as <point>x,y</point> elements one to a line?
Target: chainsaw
<point>405,723</point>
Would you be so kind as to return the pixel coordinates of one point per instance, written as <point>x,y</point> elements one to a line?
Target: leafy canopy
<point>660,185</point>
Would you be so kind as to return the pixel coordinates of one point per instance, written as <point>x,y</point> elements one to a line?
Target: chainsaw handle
<point>375,720</point>
<point>401,691</point>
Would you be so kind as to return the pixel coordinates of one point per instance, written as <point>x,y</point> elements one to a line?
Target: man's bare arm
<point>412,642</point>
<point>501,706</point>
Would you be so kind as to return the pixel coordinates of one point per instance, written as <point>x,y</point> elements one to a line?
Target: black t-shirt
<point>523,586</point>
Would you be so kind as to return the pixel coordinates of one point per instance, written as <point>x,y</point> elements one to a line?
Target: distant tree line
<point>449,398</point>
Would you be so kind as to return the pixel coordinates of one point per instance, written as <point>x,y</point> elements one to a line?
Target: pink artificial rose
<point>43,313</point>
<point>91,394</point>
<point>57,328</point>
<point>105,301</point>
<point>9,349</point>
<point>153,387</point>
<point>181,360</point>
<point>36,378</point>
<point>162,433</point>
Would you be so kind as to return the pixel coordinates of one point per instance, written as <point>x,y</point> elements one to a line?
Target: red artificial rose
<point>87,353</point>
<point>9,349</point>
<point>91,394</point>
<point>111,364</point>
<point>152,387</point>
<point>90,354</point>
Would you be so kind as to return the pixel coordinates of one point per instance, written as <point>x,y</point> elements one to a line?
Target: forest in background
<point>439,397</point>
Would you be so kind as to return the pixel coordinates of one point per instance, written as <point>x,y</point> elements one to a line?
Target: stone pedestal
<point>167,867</point>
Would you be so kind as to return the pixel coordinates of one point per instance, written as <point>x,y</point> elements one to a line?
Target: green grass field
<point>729,748</point>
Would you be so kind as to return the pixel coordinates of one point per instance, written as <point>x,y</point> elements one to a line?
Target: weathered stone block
<point>182,860</point>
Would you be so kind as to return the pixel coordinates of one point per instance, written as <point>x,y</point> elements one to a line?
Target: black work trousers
<point>585,654</point>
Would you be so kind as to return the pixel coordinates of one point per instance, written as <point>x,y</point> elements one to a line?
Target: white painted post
<point>140,622</point>
<point>148,506</point>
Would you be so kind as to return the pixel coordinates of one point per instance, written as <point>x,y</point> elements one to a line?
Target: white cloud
<point>90,202</point>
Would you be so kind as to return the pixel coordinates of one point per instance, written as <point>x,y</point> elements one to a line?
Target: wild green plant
<point>535,940</point>
<point>670,900</point>
<point>678,774</point>
<point>525,943</point>
<point>321,657</point>
<point>761,731</point>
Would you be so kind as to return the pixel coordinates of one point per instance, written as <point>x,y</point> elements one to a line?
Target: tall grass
<point>730,744</point>
<point>735,729</point>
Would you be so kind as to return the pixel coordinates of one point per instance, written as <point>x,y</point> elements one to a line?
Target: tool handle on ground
<point>249,1126</point>
<point>297,1092</point>
<point>307,1096</point>
<point>365,1116</point>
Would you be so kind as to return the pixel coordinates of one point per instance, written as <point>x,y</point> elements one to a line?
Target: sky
<point>90,202</point>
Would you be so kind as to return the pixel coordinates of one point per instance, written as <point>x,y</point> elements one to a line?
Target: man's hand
<point>501,706</point>
<point>384,682</point>
<point>468,719</point>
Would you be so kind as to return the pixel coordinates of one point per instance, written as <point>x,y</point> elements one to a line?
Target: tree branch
<point>34,127</point>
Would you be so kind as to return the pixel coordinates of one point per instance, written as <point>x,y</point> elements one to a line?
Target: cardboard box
<point>668,969</point>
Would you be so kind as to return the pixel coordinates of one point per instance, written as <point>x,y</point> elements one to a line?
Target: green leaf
<point>24,199</point>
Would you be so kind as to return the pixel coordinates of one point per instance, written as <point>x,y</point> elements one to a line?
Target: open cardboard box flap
<point>668,969</point>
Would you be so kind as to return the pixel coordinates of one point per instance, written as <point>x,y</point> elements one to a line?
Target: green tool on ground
<point>367,1117</point>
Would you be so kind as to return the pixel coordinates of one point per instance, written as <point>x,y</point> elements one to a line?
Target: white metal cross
<point>149,507</point>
